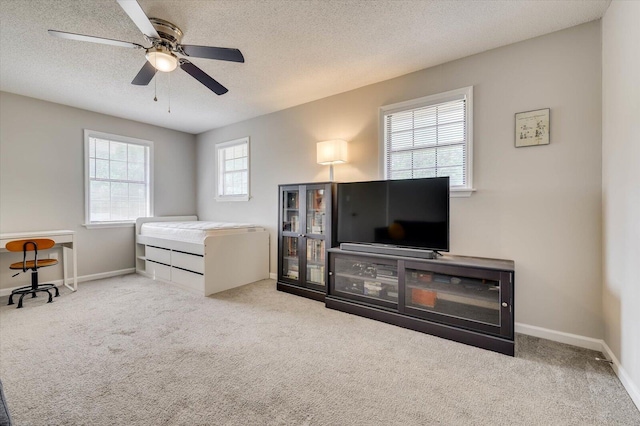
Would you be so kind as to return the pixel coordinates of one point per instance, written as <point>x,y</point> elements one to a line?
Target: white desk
<point>64,238</point>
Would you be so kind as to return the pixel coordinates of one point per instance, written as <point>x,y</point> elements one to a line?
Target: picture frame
<point>533,128</point>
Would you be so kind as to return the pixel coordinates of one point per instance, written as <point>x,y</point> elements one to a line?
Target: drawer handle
<point>504,304</point>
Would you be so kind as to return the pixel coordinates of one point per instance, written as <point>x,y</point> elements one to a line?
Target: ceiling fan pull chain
<point>169,92</point>
<point>155,83</point>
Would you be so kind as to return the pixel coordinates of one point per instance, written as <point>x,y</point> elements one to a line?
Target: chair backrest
<point>34,244</point>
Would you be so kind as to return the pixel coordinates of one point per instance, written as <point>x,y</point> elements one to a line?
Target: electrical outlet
<point>53,256</point>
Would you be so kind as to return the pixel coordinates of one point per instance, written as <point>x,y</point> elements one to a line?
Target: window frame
<point>87,179</point>
<point>219,171</point>
<point>452,95</point>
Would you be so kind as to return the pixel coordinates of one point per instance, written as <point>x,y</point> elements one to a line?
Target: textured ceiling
<point>295,51</point>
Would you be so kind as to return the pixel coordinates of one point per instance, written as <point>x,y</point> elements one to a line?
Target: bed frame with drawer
<point>221,262</point>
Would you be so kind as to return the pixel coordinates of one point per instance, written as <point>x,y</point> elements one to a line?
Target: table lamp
<point>332,152</point>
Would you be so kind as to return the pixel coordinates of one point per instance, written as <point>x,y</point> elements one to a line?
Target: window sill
<point>109,225</point>
<point>461,192</point>
<point>234,198</point>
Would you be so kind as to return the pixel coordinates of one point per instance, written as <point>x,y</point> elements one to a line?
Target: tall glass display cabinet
<point>306,231</point>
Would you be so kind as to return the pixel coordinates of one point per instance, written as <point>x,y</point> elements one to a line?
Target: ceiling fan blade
<point>137,15</point>
<point>208,52</point>
<point>203,77</point>
<point>92,39</point>
<point>145,75</point>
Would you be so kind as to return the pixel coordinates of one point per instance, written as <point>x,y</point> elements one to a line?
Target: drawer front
<point>158,271</point>
<point>158,255</point>
<point>187,261</point>
<point>188,279</point>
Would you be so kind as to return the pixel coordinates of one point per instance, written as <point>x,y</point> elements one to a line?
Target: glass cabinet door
<point>316,211</point>
<point>315,261</point>
<point>369,281</point>
<point>466,298</point>
<point>290,260</point>
<point>291,211</point>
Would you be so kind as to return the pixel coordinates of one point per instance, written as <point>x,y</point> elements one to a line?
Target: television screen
<point>404,213</point>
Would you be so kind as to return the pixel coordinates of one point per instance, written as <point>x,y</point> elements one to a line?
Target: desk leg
<point>74,265</point>
<point>64,266</point>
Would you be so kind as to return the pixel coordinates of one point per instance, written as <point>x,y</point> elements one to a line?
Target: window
<point>430,137</point>
<point>118,179</point>
<point>233,170</point>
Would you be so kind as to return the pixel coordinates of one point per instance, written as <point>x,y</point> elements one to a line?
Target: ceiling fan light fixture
<point>162,59</point>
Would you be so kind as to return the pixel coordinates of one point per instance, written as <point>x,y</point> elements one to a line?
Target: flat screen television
<point>404,213</point>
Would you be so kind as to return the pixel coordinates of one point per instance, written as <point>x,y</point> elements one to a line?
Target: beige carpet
<point>131,351</point>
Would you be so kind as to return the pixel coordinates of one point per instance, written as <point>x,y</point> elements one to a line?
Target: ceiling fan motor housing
<point>168,32</point>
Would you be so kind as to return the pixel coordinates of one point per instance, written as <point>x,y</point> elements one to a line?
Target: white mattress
<point>194,231</point>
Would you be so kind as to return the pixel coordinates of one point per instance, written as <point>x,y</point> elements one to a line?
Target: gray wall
<point>621,186</point>
<point>540,206</point>
<point>42,179</point>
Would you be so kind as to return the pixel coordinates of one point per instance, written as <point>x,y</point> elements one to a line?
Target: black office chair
<point>32,245</point>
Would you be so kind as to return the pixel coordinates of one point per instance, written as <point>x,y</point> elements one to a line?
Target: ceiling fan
<point>165,39</point>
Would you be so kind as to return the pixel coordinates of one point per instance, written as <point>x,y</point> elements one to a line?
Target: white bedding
<point>194,231</point>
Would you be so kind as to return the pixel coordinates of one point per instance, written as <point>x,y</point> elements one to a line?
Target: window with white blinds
<point>233,170</point>
<point>430,137</point>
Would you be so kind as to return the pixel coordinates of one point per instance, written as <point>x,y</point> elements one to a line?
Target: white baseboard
<point>632,389</point>
<point>560,336</point>
<point>273,275</point>
<point>588,343</point>
<point>102,275</point>
<point>81,279</point>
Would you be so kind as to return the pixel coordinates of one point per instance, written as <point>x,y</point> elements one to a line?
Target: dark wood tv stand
<point>466,299</point>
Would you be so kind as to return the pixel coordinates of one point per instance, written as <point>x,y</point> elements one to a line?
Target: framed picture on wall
<point>532,128</point>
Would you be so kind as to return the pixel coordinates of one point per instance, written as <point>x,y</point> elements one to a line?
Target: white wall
<point>540,206</point>
<point>621,186</point>
<point>42,179</point>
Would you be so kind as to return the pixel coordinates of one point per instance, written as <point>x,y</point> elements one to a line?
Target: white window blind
<point>119,178</point>
<point>233,169</point>
<point>429,137</point>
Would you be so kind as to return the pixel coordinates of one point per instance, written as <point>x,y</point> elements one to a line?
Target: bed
<point>201,257</point>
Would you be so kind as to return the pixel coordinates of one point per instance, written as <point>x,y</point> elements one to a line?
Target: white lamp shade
<point>332,152</point>
<point>162,60</point>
